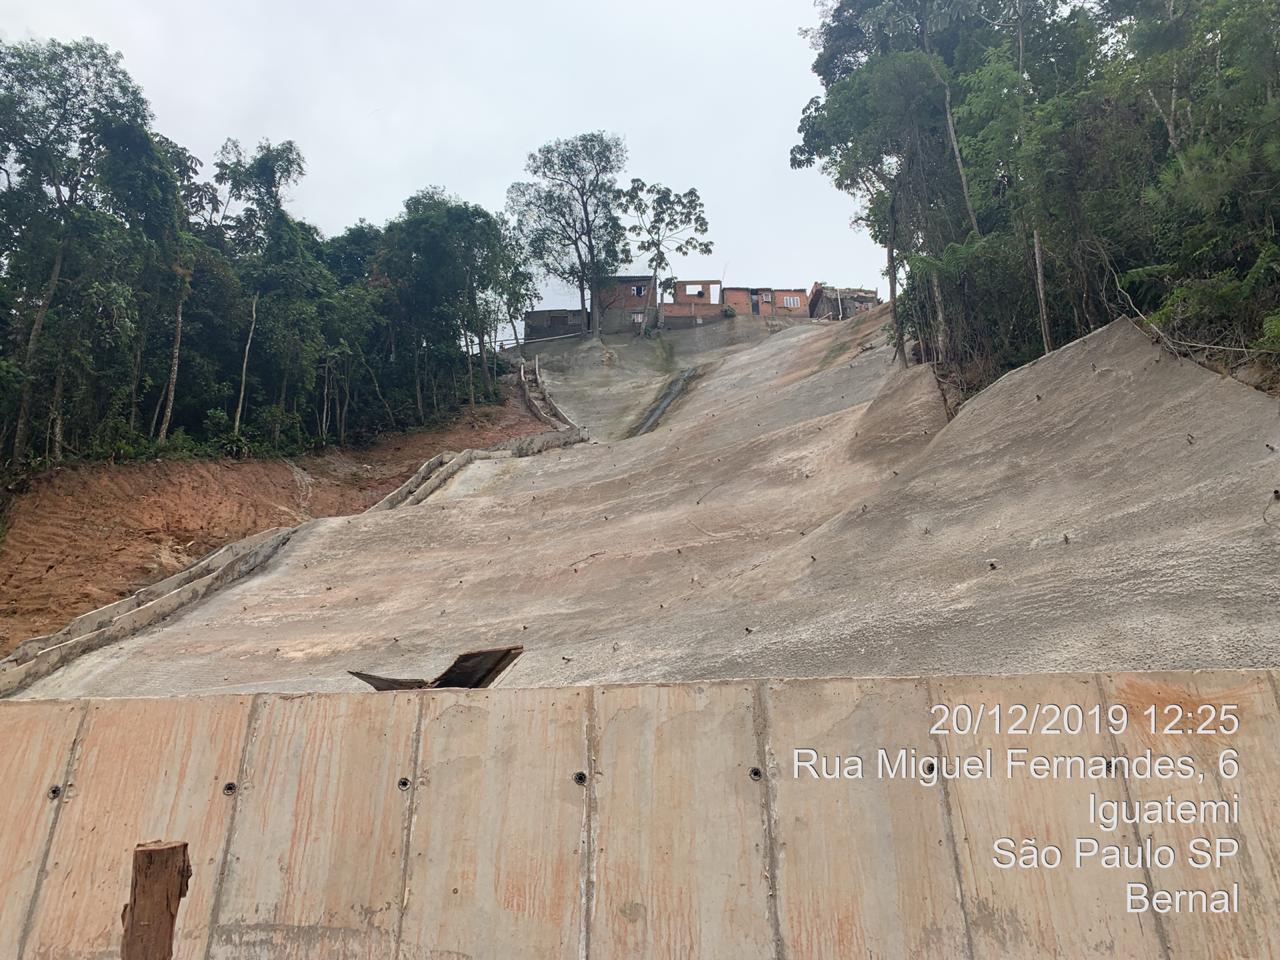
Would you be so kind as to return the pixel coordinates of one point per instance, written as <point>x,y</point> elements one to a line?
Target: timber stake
<point>161,870</point>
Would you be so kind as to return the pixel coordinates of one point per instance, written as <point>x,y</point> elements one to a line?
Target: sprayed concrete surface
<point>804,509</point>
<point>607,386</point>
<point>620,822</point>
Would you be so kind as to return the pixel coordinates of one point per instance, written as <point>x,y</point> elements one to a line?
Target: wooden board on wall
<point>35,746</point>
<point>495,867</point>
<point>681,846</point>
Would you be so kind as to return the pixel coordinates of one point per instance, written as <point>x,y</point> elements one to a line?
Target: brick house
<point>768,301</point>
<point>626,305</point>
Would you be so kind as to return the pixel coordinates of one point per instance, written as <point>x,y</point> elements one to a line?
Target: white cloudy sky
<point>385,97</point>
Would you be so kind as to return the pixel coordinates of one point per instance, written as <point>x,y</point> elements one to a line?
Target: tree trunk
<point>135,378</point>
<point>417,383</point>
<point>244,364</point>
<point>484,366</point>
<point>955,143</point>
<point>471,377</point>
<point>324,405</point>
<point>940,331</point>
<point>155,414</point>
<point>899,336</point>
<point>279,418</point>
<point>1044,309</point>
<point>582,299</point>
<point>173,367</point>
<point>955,149</point>
<point>20,433</point>
<point>56,455</point>
<point>391,417</point>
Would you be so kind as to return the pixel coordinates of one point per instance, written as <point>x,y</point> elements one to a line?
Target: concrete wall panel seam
<point>769,812</point>
<point>250,739</point>
<point>951,840</point>
<point>68,772</point>
<point>411,816</point>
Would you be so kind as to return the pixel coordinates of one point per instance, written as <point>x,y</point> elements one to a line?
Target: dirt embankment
<point>84,536</point>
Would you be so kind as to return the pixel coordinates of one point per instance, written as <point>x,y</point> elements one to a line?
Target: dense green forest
<point>1036,169</point>
<point>153,309</point>
<point>1033,169</point>
<point>156,306</point>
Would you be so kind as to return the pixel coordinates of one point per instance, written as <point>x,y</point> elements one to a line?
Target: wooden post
<point>161,870</point>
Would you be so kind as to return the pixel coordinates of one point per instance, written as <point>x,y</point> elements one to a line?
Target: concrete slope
<point>625,822</point>
<point>606,385</point>
<point>804,509</point>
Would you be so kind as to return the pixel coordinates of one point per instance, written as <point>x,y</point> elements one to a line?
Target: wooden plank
<point>161,873</point>
<point>681,847</point>
<point>1019,913</point>
<point>867,867</point>
<point>36,739</point>
<point>314,866</point>
<point>496,854</point>
<point>145,770</point>
<point>1254,931</point>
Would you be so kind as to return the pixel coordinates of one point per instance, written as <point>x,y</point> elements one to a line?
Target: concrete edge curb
<point>38,657</point>
<point>14,674</point>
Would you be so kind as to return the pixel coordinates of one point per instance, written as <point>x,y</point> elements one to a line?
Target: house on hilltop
<point>628,304</point>
<point>840,303</point>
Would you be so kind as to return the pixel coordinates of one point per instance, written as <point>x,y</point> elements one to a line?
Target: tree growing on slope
<point>664,223</point>
<point>59,100</point>
<point>569,213</point>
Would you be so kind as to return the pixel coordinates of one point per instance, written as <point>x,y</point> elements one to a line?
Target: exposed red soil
<point>84,536</point>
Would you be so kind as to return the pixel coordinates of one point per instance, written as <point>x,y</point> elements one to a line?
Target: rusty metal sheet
<point>867,866</point>
<point>1017,913</point>
<point>144,770</point>
<point>1179,700</point>
<point>37,739</point>
<point>315,860</point>
<point>497,850</point>
<point>681,844</point>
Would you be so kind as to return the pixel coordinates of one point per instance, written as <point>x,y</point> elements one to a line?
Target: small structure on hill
<point>840,303</point>
<point>546,324</point>
<point>628,304</point>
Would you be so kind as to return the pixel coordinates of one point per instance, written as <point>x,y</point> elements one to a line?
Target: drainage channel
<point>669,394</point>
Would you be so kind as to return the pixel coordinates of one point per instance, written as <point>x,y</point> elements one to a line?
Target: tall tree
<point>571,212</point>
<point>260,232</point>
<point>664,223</point>
<point>59,98</point>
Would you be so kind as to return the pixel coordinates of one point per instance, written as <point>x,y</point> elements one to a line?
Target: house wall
<point>740,299</point>
<point>543,324</point>
<point>840,302</point>
<point>619,301</point>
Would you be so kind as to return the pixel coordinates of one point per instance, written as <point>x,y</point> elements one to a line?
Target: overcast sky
<point>386,97</point>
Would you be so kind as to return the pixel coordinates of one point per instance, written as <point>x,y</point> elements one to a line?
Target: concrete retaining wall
<point>615,822</point>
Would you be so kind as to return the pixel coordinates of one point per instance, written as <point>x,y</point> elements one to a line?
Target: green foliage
<point>288,341</point>
<point>568,215</point>
<point>1139,140</point>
